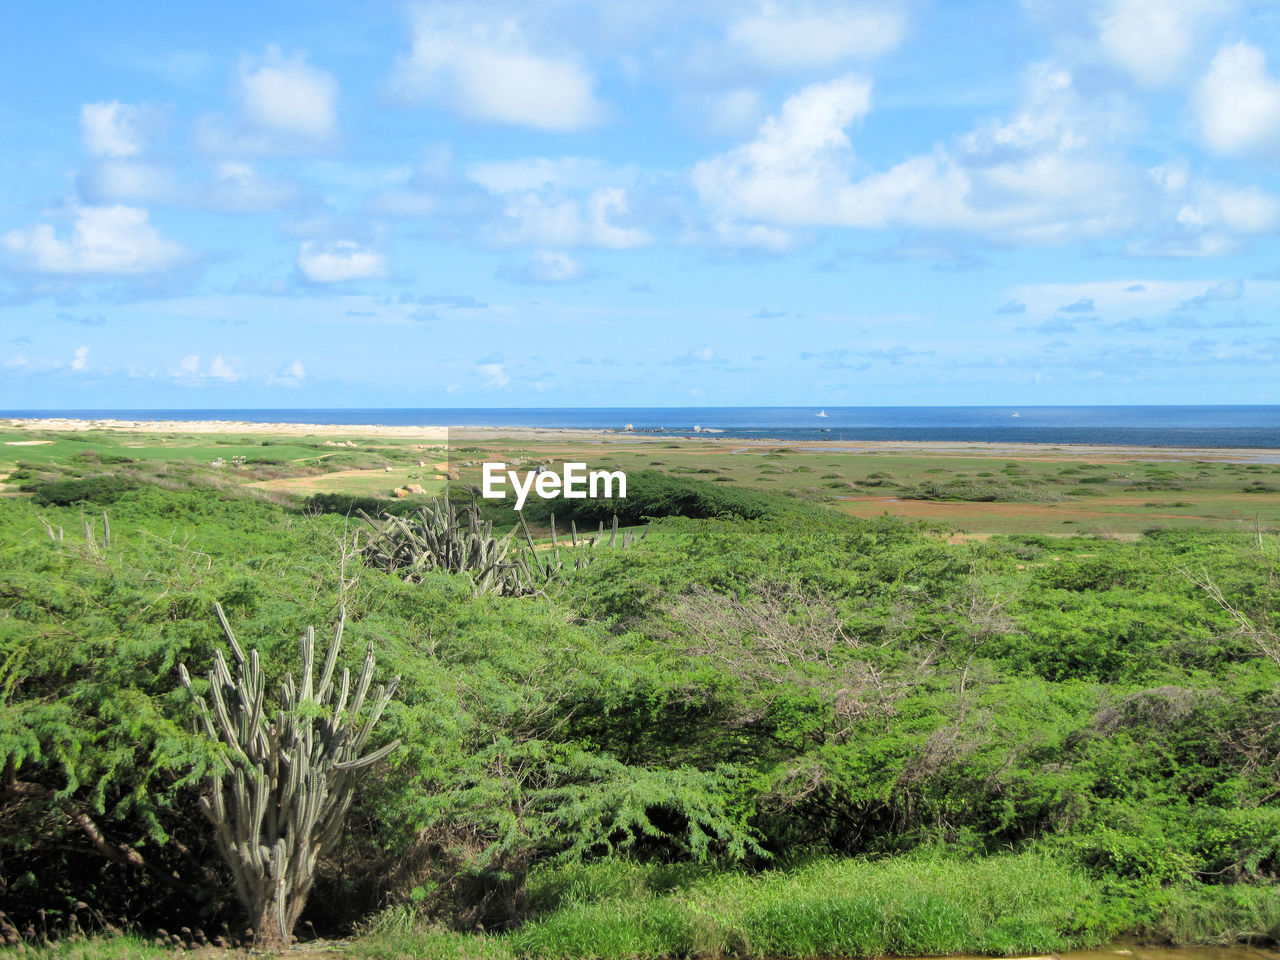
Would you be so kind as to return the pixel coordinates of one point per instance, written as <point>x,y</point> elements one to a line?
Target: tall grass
<point>1218,915</point>
<point>1002,905</point>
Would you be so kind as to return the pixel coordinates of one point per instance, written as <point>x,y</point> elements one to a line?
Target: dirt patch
<point>26,443</point>
<point>954,510</point>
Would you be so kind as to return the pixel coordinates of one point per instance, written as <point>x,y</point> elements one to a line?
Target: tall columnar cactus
<point>287,775</point>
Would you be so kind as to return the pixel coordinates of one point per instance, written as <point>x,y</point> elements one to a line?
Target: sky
<point>553,204</point>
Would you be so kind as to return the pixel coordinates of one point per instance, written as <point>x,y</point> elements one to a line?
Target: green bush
<point>651,494</point>
<point>104,489</point>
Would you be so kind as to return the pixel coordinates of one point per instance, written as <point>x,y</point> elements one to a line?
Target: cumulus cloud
<point>1238,102</point>
<point>103,240</point>
<point>552,218</point>
<point>789,36</point>
<point>190,369</point>
<point>286,95</point>
<point>291,375</point>
<point>1208,218</point>
<point>80,360</point>
<point>799,162</point>
<point>1044,176</point>
<point>560,202</point>
<point>1054,172</point>
<point>1152,39</point>
<point>112,129</point>
<point>286,106</point>
<point>219,369</point>
<point>488,70</point>
<point>339,261</point>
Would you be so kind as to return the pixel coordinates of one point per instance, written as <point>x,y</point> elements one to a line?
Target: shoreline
<point>444,434</point>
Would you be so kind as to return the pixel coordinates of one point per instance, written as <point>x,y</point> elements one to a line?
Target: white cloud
<point>553,202</point>
<point>1052,173</point>
<point>81,358</point>
<point>553,219</point>
<point>286,106</point>
<point>338,261</point>
<point>793,36</point>
<point>487,70</point>
<point>1152,39</point>
<point>1238,102</point>
<point>219,369</point>
<point>495,375</point>
<point>1207,219</point>
<point>286,95</point>
<point>112,129</point>
<point>104,240</point>
<point>290,375</point>
<point>789,172</point>
<point>189,369</point>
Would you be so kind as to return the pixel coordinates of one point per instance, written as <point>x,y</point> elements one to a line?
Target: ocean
<point>1154,426</point>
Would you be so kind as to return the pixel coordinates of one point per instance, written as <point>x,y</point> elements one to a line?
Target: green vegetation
<point>284,778</point>
<point>769,729</point>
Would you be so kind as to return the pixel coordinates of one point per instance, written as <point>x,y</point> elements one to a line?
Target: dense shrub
<point>107,488</point>
<point>652,494</point>
<point>764,684</point>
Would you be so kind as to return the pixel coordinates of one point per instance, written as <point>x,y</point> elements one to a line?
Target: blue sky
<point>565,204</point>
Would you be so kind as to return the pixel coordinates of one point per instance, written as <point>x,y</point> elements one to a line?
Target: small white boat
<point>821,413</point>
<point>1016,413</point>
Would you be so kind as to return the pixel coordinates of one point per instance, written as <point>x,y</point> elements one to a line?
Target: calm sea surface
<point>1162,426</point>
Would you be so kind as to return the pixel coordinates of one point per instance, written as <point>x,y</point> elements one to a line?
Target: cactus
<point>437,538</point>
<point>440,537</point>
<point>285,780</point>
<point>548,565</point>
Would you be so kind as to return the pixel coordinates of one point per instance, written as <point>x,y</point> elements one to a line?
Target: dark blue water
<point>1156,426</point>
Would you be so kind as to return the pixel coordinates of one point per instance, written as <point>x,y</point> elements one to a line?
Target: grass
<point>905,907</point>
<point>1215,915</point>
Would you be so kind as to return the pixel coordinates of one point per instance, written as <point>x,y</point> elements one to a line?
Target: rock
<point>414,488</point>
<point>399,493</point>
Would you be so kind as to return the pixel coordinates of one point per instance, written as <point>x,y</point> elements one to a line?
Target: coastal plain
<point>965,490</point>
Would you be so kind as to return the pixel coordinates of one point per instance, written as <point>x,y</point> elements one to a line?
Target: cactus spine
<point>286,780</point>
